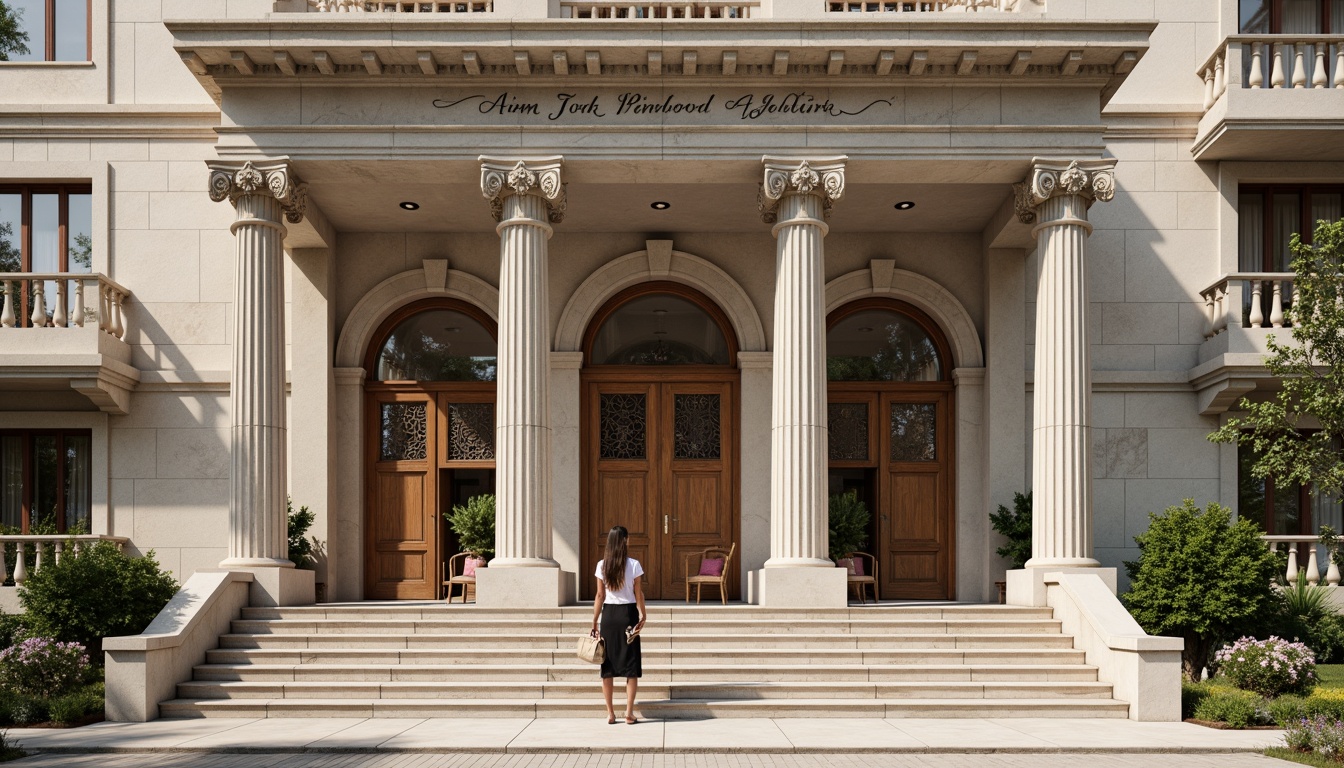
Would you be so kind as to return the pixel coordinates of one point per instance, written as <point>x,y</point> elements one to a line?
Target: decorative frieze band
<point>230,181</point>
<point>501,177</point>
<point>1090,179</point>
<point>791,176</point>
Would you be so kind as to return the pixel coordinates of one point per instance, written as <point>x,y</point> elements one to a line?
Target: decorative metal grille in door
<point>695,424</point>
<point>624,426</point>
<point>403,428</point>
<point>848,428</point>
<point>471,431</point>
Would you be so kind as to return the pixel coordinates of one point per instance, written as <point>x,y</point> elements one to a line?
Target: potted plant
<point>1330,540</point>
<point>1015,525</point>
<point>847,521</point>
<point>474,524</point>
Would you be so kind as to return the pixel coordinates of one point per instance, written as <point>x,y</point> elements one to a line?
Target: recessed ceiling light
<point>865,330</point>
<point>905,205</point>
<point>660,311</point>
<point>660,205</point>
<point>409,206</point>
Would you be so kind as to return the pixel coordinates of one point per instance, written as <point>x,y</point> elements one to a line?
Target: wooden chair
<point>869,577</point>
<point>452,577</point>
<point>720,581</point>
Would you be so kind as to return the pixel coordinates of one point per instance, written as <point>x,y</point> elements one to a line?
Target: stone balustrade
<point>403,6</point>
<point>21,556</point>
<point>906,6</point>
<point>671,9</point>
<point>1225,302</point>
<point>1313,568</point>
<point>662,9</point>
<point>62,300</point>
<point>1274,61</point>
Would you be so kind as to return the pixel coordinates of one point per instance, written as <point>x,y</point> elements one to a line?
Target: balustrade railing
<point>1274,61</point>
<point>408,6</point>
<point>920,6</point>
<point>1247,300</point>
<point>1313,568</point>
<point>669,9</point>
<point>62,300</point>
<point>22,555</point>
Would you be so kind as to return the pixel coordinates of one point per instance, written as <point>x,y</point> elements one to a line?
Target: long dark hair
<point>613,563</point>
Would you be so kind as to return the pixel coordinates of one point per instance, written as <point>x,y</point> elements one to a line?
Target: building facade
<point>688,268</point>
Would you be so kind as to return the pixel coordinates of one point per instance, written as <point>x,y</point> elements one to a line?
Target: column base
<point>505,587</point>
<point>1026,586</point>
<point>276,587</point>
<point>799,587</point>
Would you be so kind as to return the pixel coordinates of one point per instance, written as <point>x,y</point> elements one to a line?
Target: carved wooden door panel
<point>915,525</point>
<point>623,475</point>
<point>402,535</point>
<point>696,439</point>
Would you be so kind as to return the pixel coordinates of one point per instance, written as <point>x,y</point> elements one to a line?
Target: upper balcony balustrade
<point>677,9</point>
<point>1241,311</point>
<point>1273,97</point>
<point>65,329</point>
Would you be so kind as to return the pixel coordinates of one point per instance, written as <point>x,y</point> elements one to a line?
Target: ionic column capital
<point>1089,179</point>
<point>539,176</point>
<point>822,176</point>
<point>232,180</point>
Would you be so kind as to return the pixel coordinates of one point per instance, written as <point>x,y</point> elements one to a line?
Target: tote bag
<point>591,649</point>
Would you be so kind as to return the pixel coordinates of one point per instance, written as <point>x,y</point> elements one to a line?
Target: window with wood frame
<point>1292,17</point>
<point>1269,215</point>
<point>58,30</point>
<point>45,228</point>
<point>46,482</point>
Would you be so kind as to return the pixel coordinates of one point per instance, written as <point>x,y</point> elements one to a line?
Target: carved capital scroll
<point>232,180</point>
<point>824,177</point>
<point>1090,179</point>
<point>540,176</point>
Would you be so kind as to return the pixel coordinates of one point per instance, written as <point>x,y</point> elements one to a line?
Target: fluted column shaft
<point>796,198</point>
<point>261,195</point>
<point>1062,400</point>
<point>526,196</point>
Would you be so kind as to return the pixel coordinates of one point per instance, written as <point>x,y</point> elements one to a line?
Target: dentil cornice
<point>1090,179</point>
<point>540,176</point>
<point>232,180</point>
<point>784,176</point>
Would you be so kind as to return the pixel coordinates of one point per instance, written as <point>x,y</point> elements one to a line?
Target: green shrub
<point>847,523</point>
<point>1238,709</point>
<point>40,666</point>
<point>1201,577</point>
<point>61,600</point>
<point>1015,524</point>
<point>1268,667</point>
<point>1292,709</point>
<point>73,707</point>
<point>1305,614</point>
<point>13,628</point>
<point>18,709</point>
<point>474,524</point>
<point>300,546</point>
<point>1191,695</point>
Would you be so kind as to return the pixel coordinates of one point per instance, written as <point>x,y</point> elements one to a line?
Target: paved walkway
<point>558,736</point>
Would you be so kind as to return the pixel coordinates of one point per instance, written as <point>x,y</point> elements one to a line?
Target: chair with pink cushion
<point>863,574</point>
<point>714,569</point>
<point>460,571</point>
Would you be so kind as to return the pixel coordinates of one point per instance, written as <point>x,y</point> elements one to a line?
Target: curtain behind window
<point>78,483</point>
<point>11,482</point>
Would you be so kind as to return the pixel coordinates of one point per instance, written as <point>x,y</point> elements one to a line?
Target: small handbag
<point>591,649</point>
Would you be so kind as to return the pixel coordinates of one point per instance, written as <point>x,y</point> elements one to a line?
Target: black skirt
<point>622,659</point>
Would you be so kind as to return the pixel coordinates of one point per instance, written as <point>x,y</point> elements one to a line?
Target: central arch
<point>659,447</point>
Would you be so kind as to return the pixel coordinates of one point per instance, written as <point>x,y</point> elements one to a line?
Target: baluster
<point>40,547</point>
<point>20,566</point>
<point>1257,78</point>
<point>1299,66</point>
<point>1339,65</point>
<point>1292,573</point>
<point>1276,76</point>
<point>1220,309</point>
<point>1208,314</point>
<point>59,317</point>
<point>4,563</point>
<point>104,307</point>
<point>1208,89</point>
<point>117,328</point>
<point>79,302</point>
<point>1332,571</point>
<point>1257,311</point>
<point>7,319</point>
<point>60,553</point>
<point>1276,317</point>
<point>1313,569</point>
<point>38,317</point>
<point>1320,77</point>
<point>1219,79</point>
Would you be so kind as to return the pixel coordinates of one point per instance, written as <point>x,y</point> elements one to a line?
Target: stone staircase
<point>434,660</point>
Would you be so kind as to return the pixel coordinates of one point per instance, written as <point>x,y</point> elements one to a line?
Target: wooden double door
<point>430,446</point>
<point>893,445</point>
<point>660,458</point>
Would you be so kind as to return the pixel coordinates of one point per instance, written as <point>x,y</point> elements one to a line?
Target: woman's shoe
<point>611,721</point>
<point>631,720</point>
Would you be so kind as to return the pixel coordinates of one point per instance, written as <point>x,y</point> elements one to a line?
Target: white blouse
<point>626,594</point>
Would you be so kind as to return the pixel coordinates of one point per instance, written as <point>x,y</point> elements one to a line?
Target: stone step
<point>826,689</point>
<point>673,657</point>
<point>491,673</point>
<point>591,706</point>
<point>735,627</point>
<point>438,610</point>
<point>650,640</point>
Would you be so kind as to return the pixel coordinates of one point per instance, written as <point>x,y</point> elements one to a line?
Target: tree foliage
<point>13,38</point>
<point>1200,576</point>
<point>95,592</point>
<point>300,546</point>
<point>474,524</point>
<point>847,524</point>
<point>11,259</point>
<point>1016,525</point>
<point>1311,368</point>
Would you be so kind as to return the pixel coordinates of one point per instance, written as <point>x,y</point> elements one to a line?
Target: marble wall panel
<point>193,453</point>
<point>1120,453</point>
<point>157,265</point>
<point>1108,513</point>
<point>1122,357</point>
<point>144,176</point>
<point>1136,323</point>
<point>1181,453</point>
<point>133,453</point>
<point>1170,265</point>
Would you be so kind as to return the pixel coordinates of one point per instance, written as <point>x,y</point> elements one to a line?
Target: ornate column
<point>262,193</point>
<point>526,197</point>
<point>796,198</point>
<point>1055,198</point>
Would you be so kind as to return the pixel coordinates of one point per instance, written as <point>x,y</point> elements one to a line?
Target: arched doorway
<point>891,439</point>
<point>660,421</point>
<point>430,410</point>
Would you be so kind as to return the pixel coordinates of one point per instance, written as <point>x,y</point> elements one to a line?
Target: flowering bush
<point>1320,734</point>
<point>1268,667</point>
<point>40,666</point>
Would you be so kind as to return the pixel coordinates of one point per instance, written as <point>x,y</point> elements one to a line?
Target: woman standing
<point>620,605</point>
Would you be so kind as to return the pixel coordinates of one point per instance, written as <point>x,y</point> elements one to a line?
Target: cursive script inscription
<point>568,104</point>
<point>796,103</point>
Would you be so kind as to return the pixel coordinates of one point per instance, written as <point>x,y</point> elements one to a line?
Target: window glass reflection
<point>11,218</point>
<point>438,345</point>
<point>72,30</point>
<point>80,237</point>
<point>659,329</point>
<point>32,16</point>
<point>881,345</point>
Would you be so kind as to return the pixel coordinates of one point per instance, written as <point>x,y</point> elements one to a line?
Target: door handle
<point>664,523</point>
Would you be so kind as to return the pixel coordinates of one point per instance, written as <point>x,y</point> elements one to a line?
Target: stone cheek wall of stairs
<point>432,660</point>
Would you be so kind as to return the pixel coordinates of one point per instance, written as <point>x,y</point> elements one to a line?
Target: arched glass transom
<point>659,329</point>
<point>881,345</point>
<point>437,345</point>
